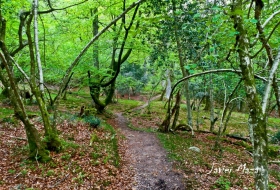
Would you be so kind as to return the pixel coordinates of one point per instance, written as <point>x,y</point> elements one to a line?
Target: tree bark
<point>36,146</point>
<point>184,71</point>
<point>266,45</point>
<point>36,42</point>
<point>52,140</point>
<point>115,66</point>
<point>176,110</point>
<point>211,102</point>
<point>257,119</point>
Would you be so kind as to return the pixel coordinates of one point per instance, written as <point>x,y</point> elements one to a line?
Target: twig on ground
<point>274,162</point>
<point>60,181</point>
<point>63,179</point>
<point>18,138</point>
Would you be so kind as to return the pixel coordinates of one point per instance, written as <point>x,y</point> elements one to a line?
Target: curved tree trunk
<point>37,148</point>
<point>115,63</point>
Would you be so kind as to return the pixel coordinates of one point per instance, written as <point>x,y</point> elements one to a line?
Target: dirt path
<point>152,169</point>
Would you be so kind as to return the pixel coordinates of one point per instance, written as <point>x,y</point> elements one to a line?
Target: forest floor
<point>127,153</point>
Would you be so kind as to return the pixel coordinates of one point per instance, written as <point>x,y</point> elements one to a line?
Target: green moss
<point>273,151</point>
<point>66,156</point>
<point>67,145</point>
<point>222,183</point>
<point>6,113</point>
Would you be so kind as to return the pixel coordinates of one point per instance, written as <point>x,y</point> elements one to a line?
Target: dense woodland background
<point>213,65</point>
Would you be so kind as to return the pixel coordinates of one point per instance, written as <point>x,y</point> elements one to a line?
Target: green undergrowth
<point>109,144</point>
<point>200,163</point>
<point>149,130</point>
<point>5,112</point>
<point>177,145</point>
<point>124,105</point>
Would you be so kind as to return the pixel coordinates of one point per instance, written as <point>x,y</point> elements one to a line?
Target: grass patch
<point>5,113</point>
<point>149,130</point>
<point>124,105</point>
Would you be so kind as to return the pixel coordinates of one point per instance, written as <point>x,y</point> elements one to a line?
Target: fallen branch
<point>238,137</point>
<point>60,181</point>
<point>63,179</point>
<point>274,162</point>
<point>18,138</point>
<point>182,127</point>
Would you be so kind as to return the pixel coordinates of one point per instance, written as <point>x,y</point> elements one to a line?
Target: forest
<point>140,94</point>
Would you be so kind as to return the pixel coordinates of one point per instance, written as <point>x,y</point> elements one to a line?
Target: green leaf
<point>191,71</point>
<point>216,8</point>
<point>254,21</point>
<point>197,15</point>
<point>237,12</point>
<point>233,33</point>
<point>190,67</point>
<point>216,18</point>
<point>184,26</point>
<point>178,12</point>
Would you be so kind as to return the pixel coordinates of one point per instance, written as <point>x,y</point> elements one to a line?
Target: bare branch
<point>265,41</point>
<point>20,69</point>
<point>265,23</point>
<point>270,18</point>
<point>270,80</point>
<point>54,9</point>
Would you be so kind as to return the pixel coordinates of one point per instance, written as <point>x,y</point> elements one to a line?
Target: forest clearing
<point>139,94</point>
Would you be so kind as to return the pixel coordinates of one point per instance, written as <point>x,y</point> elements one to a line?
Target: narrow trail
<point>152,169</point>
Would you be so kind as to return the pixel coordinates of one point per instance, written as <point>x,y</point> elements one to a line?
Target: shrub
<point>276,138</point>
<point>92,121</point>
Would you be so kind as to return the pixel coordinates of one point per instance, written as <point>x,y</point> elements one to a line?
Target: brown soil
<point>149,160</point>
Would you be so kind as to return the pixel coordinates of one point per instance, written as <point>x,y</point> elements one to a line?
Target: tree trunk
<point>36,42</point>
<point>207,102</point>
<point>52,140</point>
<point>176,110</point>
<point>211,104</point>
<point>36,146</point>
<point>257,119</point>
<point>115,65</point>
<point>184,72</point>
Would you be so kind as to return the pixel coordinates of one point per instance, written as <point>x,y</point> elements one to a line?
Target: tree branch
<point>54,9</point>
<point>270,80</point>
<point>204,73</point>
<point>77,59</point>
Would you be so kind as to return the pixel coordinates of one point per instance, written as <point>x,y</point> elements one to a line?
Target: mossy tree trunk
<point>176,110</point>
<point>117,60</point>
<point>257,118</point>
<point>182,66</point>
<point>37,149</point>
<point>51,136</point>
